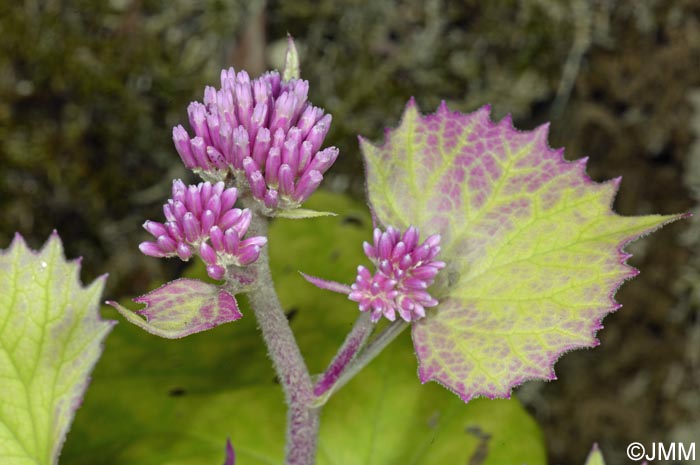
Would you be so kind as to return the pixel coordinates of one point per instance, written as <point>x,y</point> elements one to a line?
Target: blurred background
<point>89,92</point>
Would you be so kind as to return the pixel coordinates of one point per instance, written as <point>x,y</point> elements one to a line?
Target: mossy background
<point>89,92</point>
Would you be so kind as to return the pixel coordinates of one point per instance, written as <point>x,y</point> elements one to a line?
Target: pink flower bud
<point>182,145</point>
<point>229,218</point>
<point>184,252</point>
<point>209,96</point>
<point>152,249</point>
<point>216,271</point>
<point>244,102</point>
<point>307,185</point>
<point>179,210</point>
<point>155,228</point>
<point>191,226</point>
<point>290,154</point>
<point>272,166</point>
<point>216,235</point>
<point>199,151</point>
<point>248,255</point>
<point>400,283</point>
<point>166,244</point>
<point>241,148</point>
<point>266,119</point>
<point>213,130</point>
<point>231,241</point>
<point>271,199</point>
<point>175,231</point>
<point>308,119</point>
<point>256,181</point>
<point>258,120</point>
<point>261,146</point>
<point>228,198</point>
<point>196,224</point>
<point>216,158</point>
<point>319,132</point>
<point>261,91</point>
<point>305,155</point>
<point>279,136</point>
<point>286,180</point>
<point>208,254</point>
<point>208,220</point>
<point>214,205</point>
<point>198,120</point>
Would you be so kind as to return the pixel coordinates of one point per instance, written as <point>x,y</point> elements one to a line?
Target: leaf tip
<point>411,110</point>
<point>327,285</point>
<point>422,375</point>
<point>507,121</point>
<point>291,61</point>
<point>18,241</point>
<point>230,453</point>
<point>112,303</point>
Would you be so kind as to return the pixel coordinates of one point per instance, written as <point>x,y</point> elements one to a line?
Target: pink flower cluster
<point>405,269</point>
<point>264,132</point>
<point>201,220</point>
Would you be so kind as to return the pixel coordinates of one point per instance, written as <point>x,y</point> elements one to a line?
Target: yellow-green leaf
<point>534,252</point>
<point>51,336</point>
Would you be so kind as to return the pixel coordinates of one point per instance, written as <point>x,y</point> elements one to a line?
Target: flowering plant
<point>496,252</point>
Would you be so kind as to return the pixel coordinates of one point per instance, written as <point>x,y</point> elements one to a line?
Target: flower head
<point>405,269</point>
<point>262,131</point>
<point>201,220</point>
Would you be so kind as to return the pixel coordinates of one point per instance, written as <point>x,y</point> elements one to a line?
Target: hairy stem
<point>354,341</point>
<point>302,417</point>
<point>361,360</point>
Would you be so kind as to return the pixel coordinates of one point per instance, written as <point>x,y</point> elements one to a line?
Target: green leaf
<point>300,213</point>
<point>291,61</point>
<point>50,339</point>
<point>595,457</point>
<point>182,307</point>
<point>396,421</point>
<point>156,402</point>
<point>533,250</point>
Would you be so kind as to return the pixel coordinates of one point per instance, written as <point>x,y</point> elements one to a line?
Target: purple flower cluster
<point>265,132</point>
<point>405,269</point>
<point>201,220</point>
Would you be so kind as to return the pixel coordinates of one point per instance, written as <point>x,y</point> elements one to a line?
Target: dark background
<point>89,92</point>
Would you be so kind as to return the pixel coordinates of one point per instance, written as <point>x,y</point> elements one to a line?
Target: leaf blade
<point>181,308</point>
<point>51,336</point>
<point>300,214</point>
<point>527,237</point>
